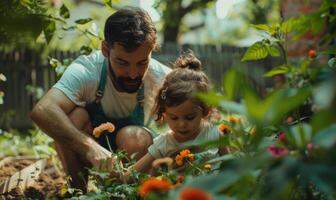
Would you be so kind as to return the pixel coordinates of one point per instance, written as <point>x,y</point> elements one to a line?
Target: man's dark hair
<point>130,27</point>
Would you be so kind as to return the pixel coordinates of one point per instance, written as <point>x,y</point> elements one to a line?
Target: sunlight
<point>224,6</point>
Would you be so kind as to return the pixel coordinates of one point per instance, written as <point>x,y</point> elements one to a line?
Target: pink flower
<point>310,146</point>
<point>282,137</point>
<point>277,151</point>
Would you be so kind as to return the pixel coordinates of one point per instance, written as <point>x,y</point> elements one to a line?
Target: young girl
<point>185,114</point>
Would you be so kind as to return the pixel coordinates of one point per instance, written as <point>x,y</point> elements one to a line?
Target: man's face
<point>128,68</point>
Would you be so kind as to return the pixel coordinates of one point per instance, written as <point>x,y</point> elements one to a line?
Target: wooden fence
<point>28,67</point>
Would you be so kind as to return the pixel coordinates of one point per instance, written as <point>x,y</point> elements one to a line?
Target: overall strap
<point>141,95</point>
<point>101,86</point>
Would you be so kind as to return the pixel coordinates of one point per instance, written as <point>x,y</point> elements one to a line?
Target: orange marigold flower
<point>108,126</point>
<point>223,128</point>
<point>152,185</point>
<point>207,166</point>
<point>312,53</point>
<point>190,193</point>
<point>179,160</point>
<point>234,120</point>
<point>184,154</point>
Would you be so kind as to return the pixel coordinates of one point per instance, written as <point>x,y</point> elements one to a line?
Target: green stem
<point>108,143</point>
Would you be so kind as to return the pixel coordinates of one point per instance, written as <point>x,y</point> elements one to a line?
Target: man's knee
<point>134,140</point>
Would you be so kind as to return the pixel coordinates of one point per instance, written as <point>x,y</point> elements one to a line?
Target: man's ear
<point>105,49</point>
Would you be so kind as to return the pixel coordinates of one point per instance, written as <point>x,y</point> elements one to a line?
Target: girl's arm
<point>142,165</point>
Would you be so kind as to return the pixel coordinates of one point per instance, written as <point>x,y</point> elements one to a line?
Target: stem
<point>108,143</point>
<point>193,166</point>
<point>283,51</point>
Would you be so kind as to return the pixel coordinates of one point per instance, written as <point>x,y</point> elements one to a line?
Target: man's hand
<point>99,157</point>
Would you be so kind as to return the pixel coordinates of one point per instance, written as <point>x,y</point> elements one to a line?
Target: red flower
<point>312,53</point>
<point>277,151</point>
<point>152,185</point>
<point>190,193</point>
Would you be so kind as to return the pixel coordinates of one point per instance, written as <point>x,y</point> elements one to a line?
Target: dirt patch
<point>48,184</point>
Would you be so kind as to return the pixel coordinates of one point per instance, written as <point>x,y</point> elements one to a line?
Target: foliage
<point>276,150</point>
<point>34,143</point>
<point>173,12</point>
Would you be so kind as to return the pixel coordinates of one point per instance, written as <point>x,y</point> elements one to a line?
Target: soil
<point>49,183</point>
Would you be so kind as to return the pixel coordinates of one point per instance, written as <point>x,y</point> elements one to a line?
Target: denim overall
<point>97,115</point>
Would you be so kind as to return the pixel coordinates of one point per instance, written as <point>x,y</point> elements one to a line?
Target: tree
<point>173,12</point>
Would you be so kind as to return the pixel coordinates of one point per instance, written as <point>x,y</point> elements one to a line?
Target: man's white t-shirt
<point>166,145</point>
<point>80,83</point>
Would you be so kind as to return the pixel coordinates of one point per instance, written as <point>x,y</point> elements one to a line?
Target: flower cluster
<point>108,126</point>
<point>234,120</point>
<point>183,155</point>
<point>223,128</point>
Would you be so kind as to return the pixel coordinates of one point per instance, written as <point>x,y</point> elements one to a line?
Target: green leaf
<point>108,3</point>
<point>327,137</point>
<point>64,12</point>
<point>83,21</point>
<point>282,69</point>
<point>322,120</point>
<point>86,50</point>
<point>231,90</point>
<point>301,134</point>
<point>271,110</point>
<point>233,107</point>
<point>210,182</point>
<point>3,77</point>
<point>263,27</point>
<point>289,25</point>
<point>49,30</point>
<point>212,98</point>
<point>256,52</point>
<point>273,51</point>
<point>304,65</point>
<point>54,62</point>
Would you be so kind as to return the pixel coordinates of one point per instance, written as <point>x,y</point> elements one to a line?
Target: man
<point>116,84</point>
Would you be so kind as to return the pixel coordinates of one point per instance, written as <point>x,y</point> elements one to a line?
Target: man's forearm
<point>55,123</point>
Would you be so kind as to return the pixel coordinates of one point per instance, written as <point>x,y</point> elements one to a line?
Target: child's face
<point>184,120</point>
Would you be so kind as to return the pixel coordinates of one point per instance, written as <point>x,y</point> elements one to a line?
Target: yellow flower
<point>253,131</point>
<point>207,166</point>
<point>108,126</point>
<point>234,120</point>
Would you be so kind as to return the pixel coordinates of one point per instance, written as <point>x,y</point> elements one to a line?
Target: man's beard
<point>127,84</point>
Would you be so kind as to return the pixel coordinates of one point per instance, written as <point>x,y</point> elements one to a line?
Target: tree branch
<point>194,5</point>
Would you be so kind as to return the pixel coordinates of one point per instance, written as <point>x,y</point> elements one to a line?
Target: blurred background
<point>39,39</point>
